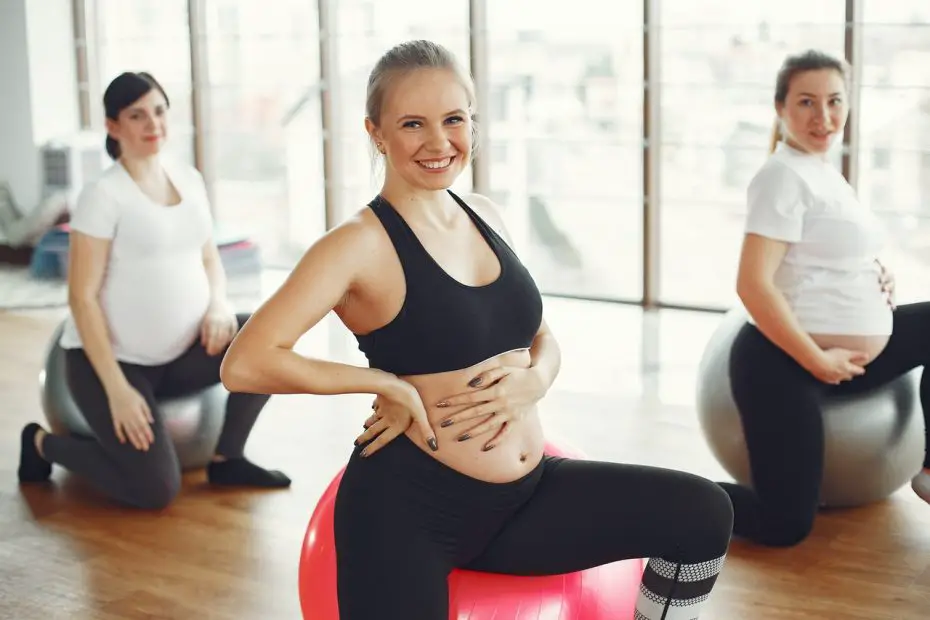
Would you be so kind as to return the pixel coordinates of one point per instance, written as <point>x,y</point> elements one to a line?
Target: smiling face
<point>424,129</point>
<point>815,110</point>
<point>142,127</point>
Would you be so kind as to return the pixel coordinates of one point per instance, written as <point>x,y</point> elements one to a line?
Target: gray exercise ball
<point>874,441</point>
<point>194,421</point>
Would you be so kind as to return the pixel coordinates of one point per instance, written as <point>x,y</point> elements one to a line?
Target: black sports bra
<point>443,324</point>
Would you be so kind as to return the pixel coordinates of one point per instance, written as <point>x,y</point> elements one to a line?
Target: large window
<point>718,63</point>
<point>565,140</point>
<point>262,125</point>
<point>562,117</point>
<point>366,29</point>
<point>153,36</point>
<point>894,134</point>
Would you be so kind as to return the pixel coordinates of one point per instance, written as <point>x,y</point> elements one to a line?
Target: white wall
<point>38,89</point>
<point>52,69</point>
<point>18,158</point>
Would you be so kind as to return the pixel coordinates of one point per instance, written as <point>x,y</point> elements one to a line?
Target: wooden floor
<point>624,394</point>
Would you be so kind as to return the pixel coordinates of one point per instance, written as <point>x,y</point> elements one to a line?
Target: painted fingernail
<point>475,382</point>
<point>486,448</point>
<point>446,423</point>
<point>442,403</point>
<point>364,453</point>
<point>464,437</point>
<point>432,444</point>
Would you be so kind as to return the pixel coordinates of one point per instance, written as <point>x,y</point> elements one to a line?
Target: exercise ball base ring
<point>874,442</point>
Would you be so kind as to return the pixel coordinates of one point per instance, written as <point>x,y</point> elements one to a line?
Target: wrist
<point>389,385</point>
<point>114,385</point>
<point>813,360</point>
<point>219,302</point>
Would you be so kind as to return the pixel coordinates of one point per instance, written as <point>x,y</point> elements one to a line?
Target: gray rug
<point>20,291</point>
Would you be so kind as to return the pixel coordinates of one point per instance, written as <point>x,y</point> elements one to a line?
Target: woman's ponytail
<point>776,135</point>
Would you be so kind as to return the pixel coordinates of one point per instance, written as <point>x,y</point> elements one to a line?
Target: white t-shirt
<point>829,275</point>
<point>155,291</point>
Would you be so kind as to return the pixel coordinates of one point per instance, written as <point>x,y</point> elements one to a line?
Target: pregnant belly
<point>513,456</point>
<point>858,316</point>
<point>871,346</point>
<point>156,313</point>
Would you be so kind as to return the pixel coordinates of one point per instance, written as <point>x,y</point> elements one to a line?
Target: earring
<point>381,148</point>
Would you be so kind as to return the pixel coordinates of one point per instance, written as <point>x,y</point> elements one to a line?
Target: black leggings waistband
<point>404,464</point>
<point>402,483</point>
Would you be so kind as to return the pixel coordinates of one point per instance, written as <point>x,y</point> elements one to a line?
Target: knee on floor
<point>787,530</point>
<point>155,490</point>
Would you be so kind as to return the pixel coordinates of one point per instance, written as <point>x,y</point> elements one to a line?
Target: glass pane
<point>894,143</point>
<point>565,138</point>
<point>718,63</point>
<point>262,115</point>
<point>365,29</point>
<point>153,36</point>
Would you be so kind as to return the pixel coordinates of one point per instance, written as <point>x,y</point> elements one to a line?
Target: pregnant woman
<point>823,316</point>
<point>451,472</point>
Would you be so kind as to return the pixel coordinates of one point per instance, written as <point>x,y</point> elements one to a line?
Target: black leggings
<point>149,479</point>
<point>404,520</point>
<point>779,405</point>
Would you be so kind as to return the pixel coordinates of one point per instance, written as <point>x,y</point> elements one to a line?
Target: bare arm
<point>216,275</point>
<point>755,286</point>
<point>86,267</point>
<point>261,358</point>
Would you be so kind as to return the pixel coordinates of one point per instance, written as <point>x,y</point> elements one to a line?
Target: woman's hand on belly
<point>839,364</point>
<point>498,395</point>
<point>394,414</point>
<point>515,451</point>
<point>866,348</point>
<point>218,328</point>
<point>499,398</point>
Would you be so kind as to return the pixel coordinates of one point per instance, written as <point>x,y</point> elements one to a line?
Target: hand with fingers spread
<point>218,328</point>
<point>132,418</point>
<point>393,412</point>
<point>505,394</point>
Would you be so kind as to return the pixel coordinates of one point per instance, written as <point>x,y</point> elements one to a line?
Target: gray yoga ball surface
<point>874,442</point>
<point>194,421</point>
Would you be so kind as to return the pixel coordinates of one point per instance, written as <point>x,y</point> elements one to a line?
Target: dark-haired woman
<point>148,316</point>
<point>824,319</point>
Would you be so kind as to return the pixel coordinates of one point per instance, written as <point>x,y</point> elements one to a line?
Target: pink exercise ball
<point>601,593</point>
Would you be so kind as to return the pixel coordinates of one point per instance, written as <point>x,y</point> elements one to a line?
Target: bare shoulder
<point>489,211</point>
<point>349,250</point>
<point>358,235</point>
<point>326,275</point>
